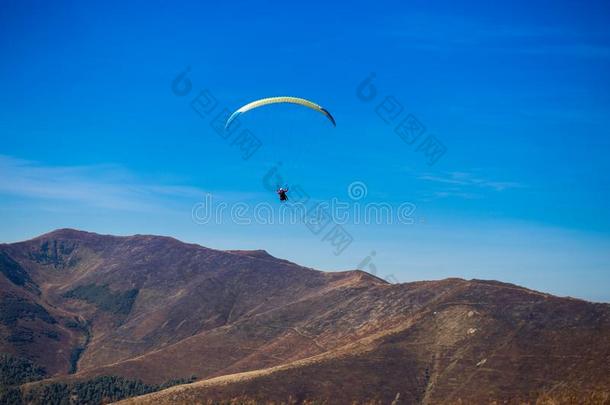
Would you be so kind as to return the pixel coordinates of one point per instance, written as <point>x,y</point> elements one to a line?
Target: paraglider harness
<point>282,193</point>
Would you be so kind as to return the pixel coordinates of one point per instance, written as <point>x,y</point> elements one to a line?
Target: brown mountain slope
<point>153,308</point>
<point>134,295</point>
<point>478,343</point>
<point>29,327</point>
<point>303,328</point>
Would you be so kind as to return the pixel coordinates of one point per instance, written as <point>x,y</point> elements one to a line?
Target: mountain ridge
<point>130,306</point>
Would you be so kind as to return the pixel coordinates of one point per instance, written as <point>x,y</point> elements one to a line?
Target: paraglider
<point>282,193</point>
<point>276,100</point>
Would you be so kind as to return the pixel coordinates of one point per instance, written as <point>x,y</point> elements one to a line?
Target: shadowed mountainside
<point>260,329</point>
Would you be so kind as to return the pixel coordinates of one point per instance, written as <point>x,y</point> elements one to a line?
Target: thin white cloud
<point>420,30</point>
<point>469,180</point>
<point>463,185</point>
<point>105,186</point>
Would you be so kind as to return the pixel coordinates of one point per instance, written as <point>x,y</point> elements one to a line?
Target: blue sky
<point>93,137</point>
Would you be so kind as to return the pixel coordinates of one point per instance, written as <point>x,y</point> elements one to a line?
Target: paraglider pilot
<point>282,193</point>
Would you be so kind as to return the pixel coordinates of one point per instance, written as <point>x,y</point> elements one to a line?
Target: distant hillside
<point>146,312</point>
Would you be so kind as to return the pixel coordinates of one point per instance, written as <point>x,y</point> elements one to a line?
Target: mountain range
<point>97,318</point>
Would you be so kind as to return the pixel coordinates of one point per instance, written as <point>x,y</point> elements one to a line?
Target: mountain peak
<point>66,233</point>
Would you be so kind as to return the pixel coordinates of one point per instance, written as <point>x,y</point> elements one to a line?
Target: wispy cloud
<point>105,186</point>
<point>458,34</point>
<point>463,185</point>
<point>469,180</point>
